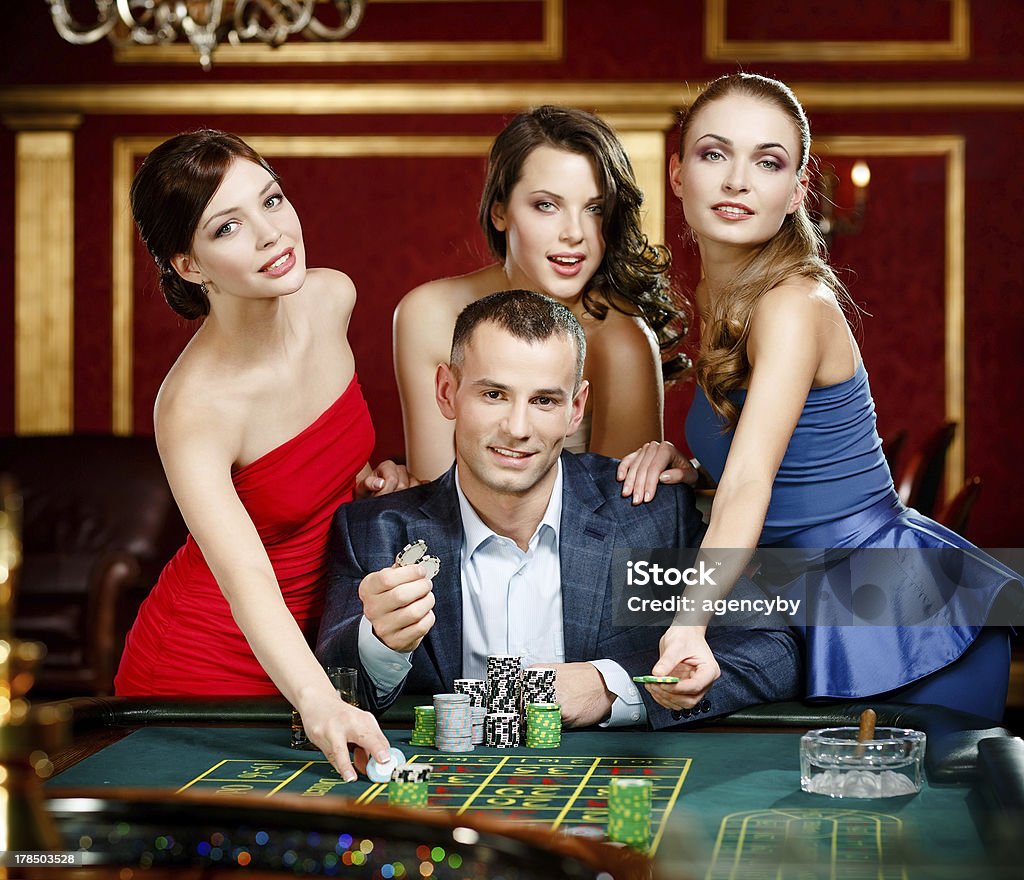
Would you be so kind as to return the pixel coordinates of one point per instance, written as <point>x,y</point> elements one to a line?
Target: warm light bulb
<point>860,174</point>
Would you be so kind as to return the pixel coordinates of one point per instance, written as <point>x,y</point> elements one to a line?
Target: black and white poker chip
<point>416,552</point>
<point>412,553</point>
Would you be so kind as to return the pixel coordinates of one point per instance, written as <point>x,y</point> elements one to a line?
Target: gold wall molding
<point>42,121</point>
<point>549,47</point>
<point>718,46</point>
<point>43,281</point>
<point>629,98</point>
<point>952,148</point>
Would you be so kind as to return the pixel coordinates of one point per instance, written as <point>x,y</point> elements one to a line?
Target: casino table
<point>168,784</point>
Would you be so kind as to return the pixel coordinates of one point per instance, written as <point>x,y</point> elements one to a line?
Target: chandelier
<point>206,23</point>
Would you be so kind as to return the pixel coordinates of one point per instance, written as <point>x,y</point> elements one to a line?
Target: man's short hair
<point>525,315</point>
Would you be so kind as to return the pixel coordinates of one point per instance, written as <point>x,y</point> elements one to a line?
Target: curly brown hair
<point>633,276</point>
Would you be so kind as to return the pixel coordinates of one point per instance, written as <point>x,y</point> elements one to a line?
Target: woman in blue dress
<point>784,420</point>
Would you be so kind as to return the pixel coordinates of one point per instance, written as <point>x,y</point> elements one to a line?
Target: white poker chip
<point>381,772</point>
<point>412,553</point>
<point>431,566</point>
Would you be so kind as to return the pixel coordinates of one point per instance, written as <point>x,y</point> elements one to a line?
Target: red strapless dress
<point>185,640</point>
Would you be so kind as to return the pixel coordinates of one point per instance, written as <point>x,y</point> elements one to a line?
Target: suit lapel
<point>441,528</point>
<point>586,540</point>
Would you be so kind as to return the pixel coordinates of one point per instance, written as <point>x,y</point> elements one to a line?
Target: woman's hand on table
<point>333,726</point>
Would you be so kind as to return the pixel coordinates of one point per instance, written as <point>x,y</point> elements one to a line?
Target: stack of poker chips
<point>476,688</point>
<point>501,730</point>
<point>543,725</point>
<point>538,686</point>
<point>454,729</point>
<point>504,692</point>
<point>504,684</point>
<point>479,721</point>
<point>424,731</point>
<point>629,811</point>
<point>409,785</point>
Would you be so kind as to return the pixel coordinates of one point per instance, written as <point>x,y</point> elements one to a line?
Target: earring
<point>204,289</point>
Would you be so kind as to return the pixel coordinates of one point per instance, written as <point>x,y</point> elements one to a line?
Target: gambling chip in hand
<point>416,552</point>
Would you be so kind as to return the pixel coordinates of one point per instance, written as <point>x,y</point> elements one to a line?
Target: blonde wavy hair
<point>796,250</point>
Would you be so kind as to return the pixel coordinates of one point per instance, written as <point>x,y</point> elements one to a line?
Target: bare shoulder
<point>799,322</point>
<point>429,310</point>
<point>618,336</point>
<point>200,398</point>
<point>194,407</point>
<point>449,296</point>
<point>329,290</point>
<point>796,302</point>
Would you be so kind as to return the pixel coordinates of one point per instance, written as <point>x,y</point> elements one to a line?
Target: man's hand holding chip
<point>399,603</point>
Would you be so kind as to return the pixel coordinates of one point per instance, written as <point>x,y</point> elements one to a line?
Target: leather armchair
<point>98,523</point>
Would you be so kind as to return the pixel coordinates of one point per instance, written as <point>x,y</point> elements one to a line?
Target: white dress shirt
<point>511,604</point>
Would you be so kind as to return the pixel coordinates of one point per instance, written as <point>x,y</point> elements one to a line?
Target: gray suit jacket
<point>758,665</point>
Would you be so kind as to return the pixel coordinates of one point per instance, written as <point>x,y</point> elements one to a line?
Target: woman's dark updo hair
<point>168,196</point>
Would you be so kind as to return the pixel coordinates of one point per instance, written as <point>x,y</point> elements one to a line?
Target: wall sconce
<point>831,219</point>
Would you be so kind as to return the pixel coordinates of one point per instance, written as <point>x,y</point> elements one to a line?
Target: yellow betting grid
<point>246,776</point>
<point>556,791</point>
<point>854,844</point>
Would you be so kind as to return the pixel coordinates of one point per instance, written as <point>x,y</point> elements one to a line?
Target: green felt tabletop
<point>736,794</point>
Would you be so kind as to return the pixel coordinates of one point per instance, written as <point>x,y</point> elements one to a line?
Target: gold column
<point>44,273</point>
<point>643,136</point>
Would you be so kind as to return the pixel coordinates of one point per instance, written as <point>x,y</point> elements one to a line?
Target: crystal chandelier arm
<point>287,17</point>
<point>351,14</point>
<point>201,22</point>
<point>78,34</point>
<point>202,37</point>
<point>152,23</point>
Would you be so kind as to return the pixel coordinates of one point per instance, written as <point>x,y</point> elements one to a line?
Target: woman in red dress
<point>263,432</point>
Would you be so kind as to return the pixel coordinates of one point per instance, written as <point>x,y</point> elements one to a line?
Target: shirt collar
<point>475,531</point>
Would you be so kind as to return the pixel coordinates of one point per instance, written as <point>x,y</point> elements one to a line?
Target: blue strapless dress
<point>834,490</point>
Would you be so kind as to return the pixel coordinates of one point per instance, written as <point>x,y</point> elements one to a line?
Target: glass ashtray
<point>833,763</point>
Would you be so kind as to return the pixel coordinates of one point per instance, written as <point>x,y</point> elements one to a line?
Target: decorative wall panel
<point>871,30</point>
<point>44,275</point>
<point>915,306</point>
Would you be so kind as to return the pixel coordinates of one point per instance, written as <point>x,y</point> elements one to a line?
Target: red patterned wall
<point>93,335</point>
<point>825,20</point>
<point>394,222</point>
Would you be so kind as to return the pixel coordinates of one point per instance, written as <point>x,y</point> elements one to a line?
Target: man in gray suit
<point>525,535</point>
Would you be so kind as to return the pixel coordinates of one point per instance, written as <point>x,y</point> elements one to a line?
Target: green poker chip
<point>656,679</point>
<point>629,811</point>
<point>543,725</point>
